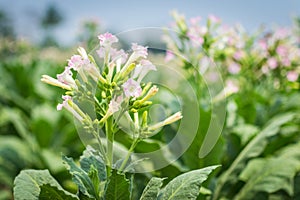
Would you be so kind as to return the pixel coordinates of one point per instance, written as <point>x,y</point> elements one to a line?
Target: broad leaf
<point>14,156</point>
<point>253,149</point>
<point>186,186</point>
<point>49,192</point>
<point>89,159</point>
<point>80,178</point>
<point>28,183</point>
<point>271,174</point>
<point>152,189</point>
<point>118,187</point>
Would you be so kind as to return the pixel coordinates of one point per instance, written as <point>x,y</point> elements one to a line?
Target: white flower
<point>77,113</point>
<point>142,70</point>
<point>66,78</point>
<point>173,118</point>
<point>52,81</point>
<point>107,39</point>
<point>114,104</point>
<point>132,88</point>
<point>75,62</point>
<point>139,51</point>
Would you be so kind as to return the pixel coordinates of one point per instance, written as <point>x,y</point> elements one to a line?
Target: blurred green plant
<point>32,135</point>
<point>258,145</point>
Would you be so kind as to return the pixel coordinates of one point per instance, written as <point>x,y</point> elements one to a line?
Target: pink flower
<point>286,61</point>
<point>67,105</point>
<point>75,62</point>
<point>214,19</point>
<point>132,88</point>
<point>142,70</point>
<point>101,52</point>
<point>272,63</point>
<point>66,78</point>
<point>263,44</point>
<point>66,98</point>
<point>169,56</point>
<point>195,20</point>
<point>281,33</point>
<point>118,55</point>
<point>238,55</point>
<point>114,104</point>
<point>107,39</point>
<point>91,70</point>
<point>234,68</point>
<point>197,40</point>
<point>231,87</point>
<point>139,51</point>
<point>265,69</point>
<point>292,76</point>
<point>282,50</point>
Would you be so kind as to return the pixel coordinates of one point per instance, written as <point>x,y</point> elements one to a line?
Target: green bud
<point>146,88</point>
<point>145,119</point>
<point>128,70</point>
<point>133,110</point>
<point>103,94</point>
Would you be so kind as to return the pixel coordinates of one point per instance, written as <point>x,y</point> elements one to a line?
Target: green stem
<point>109,139</point>
<point>133,145</point>
<point>101,149</point>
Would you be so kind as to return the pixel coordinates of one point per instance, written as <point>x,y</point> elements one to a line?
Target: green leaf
<point>52,161</point>
<point>186,186</point>
<point>151,190</point>
<point>118,187</point>
<point>91,159</point>
<point>271,174</point>
<point>14,156</point>
<point>245,132</point>
<point>80,178</point>
<point>49,192</point>
<point>28,183</point>
<point>253,149</point>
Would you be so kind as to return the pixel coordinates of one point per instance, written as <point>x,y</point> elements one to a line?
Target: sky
<point>118,16</point>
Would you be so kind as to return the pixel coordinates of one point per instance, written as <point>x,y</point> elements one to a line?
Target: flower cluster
<point>115,87</point>
<point>272,57</point>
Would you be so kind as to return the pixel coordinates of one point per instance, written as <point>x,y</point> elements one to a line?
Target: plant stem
<point>133,145</point>
<point>109,140</point>
<point>101,149</point>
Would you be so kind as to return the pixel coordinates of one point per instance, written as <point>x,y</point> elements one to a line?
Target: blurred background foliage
<point>258,150</point>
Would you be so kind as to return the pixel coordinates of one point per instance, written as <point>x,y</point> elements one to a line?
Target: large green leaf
<point>14,156</point>
<point>271,174</point>
<point>253,149</point>
<point>29,182</point>
<point>91,158</point>
<point>80,178</point>
<point>118,187</point>
<point>151,190</point>
<point>49,192</point>
<point>186,186</point>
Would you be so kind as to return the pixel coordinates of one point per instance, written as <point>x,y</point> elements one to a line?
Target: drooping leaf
<point>254,148</point>
<point>152,189</point>
<point>118,187</point>
<point>14,156</point>
<point>28,184</point>
<point>49,192</point>
<point>271,174</point>
<point>89,159</point>
<point>186,186</point>
<point>80,178</point>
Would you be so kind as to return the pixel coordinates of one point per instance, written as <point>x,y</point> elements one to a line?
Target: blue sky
<point>124,15</point>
